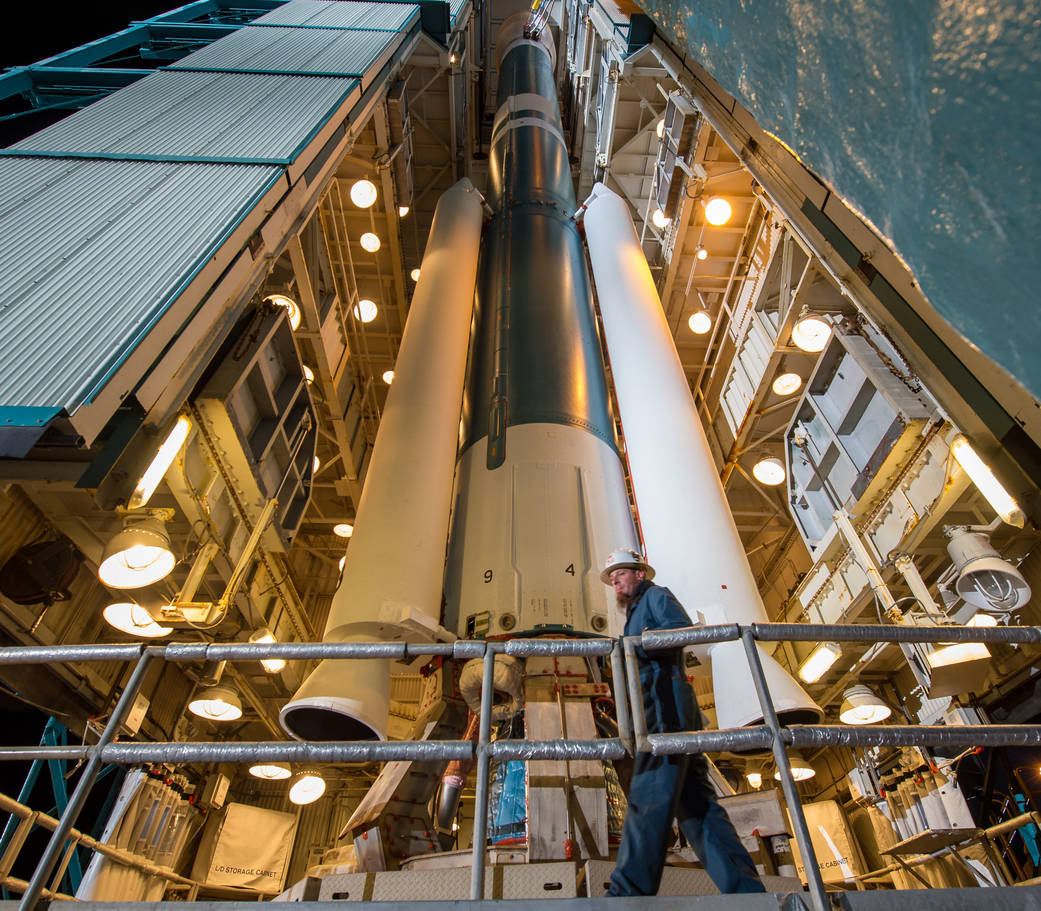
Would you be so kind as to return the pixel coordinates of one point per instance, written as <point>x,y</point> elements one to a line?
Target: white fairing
<point>395,562</point>
<point>528,537</point>
<point>690,534</point>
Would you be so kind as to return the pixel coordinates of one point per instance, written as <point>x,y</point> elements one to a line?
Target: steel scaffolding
<point>632,729</point>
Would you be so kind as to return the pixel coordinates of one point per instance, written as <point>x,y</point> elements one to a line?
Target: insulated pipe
<point>395,562</point>
<point>689,531</point>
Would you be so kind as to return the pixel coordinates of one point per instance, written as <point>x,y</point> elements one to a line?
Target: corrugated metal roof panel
<point>454,6</point>
<point>341,14</point>
<point>236,116</point>
<point>77,294</point>
<point>315,51</point>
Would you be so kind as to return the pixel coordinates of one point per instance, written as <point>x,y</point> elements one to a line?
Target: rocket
<point>499,436</point>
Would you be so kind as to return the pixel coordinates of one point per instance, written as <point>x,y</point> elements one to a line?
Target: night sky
<point>47,29</point>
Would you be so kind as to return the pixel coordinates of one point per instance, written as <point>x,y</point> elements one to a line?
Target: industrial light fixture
<point>315,465</point>
<point>402,211</point>
<point>343,530</point>
<point>769,470</point>
<point>982,619</point>
<point>1002,502</point>
<point>160,463</point>
<point>452,58</point>
<point>216,703</point>
<point>787,383</point>
<point>819,660</point>
<point>801,769</point>
<point>388,376</point>
<point>365,310</point>
<point>271,665</point>
<point>138,555</point>
<point>754,773</point>
<point>718,211</point>
<point>308,374</point>
<point>343,560</point>
<point>811,333</point>
<point>659,128</point>
<point>134,619</point>
<point>307,787</point>
<point>660,219</point>
<point>280,300</point>
<point>363,193</point>
<point>414,275</point>
<point>984,579</point>
<point>700,322</point>
<point>860,705</point>
<point>700,253</point>
<point>270,771</point>
<point>958,653</point>
<point>369,241</point>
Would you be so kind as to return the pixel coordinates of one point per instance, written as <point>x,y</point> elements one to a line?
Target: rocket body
<point>540,494</point>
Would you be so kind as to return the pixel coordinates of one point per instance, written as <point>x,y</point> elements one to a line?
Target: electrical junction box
<point>215,791</point>
<point>136,715</point>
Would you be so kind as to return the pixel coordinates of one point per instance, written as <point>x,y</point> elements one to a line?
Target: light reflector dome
<point>270,771</point>
<point>134,619</point>
<point>307,787</point>
<point>139,555</point>
<point>860,705</point>
<point>369,241</point>
<point>402,211</point>
<point>366,310</point>
<point>769,471</point>
<point>363,193</point>
<point>216,703</point>
<point>787,383</point>
<point>414,275</point>
<point>388,376</point>
<point>291,305</point>
<point>701,252</point>
<point>801,769</point>
<point>659,218</point>
<point>700,322</point>
<point>811,334</point>
<point>344,530</point>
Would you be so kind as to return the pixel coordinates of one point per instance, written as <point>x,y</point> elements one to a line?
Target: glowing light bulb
<point>369,241</point>
<point>701,253</point>
<point>363,193</point>
<point>659,128</point>
<point>414,275</point>
<point>700,322</point>
<point>718,211</point>
<point>307,788</point>
<point>271,665</point>
<point>135,620</point>
<point>1000,500</point>
<point>659,218</point>
<point>270,771</point>
<point>308,374</point>
<point>787,383</point>
<point>811,334</point>
<point>388,376</point>
<point>291,305</point>
<point>343,530</point>
<point>366,310</point>
<point>769,471</point>
<point>402,211</point>
<point>160,463</point>
<point>819,661</point>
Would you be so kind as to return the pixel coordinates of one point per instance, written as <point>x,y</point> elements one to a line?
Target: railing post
<point>79,797</point>
<point>480,832</point>
<point>632,676</point>
<point>621,698</point>
<point>818,895</point>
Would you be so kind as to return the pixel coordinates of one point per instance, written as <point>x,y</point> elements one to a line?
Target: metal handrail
<point>633,734</point>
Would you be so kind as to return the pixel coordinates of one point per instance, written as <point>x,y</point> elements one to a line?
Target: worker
<point>668,787</point>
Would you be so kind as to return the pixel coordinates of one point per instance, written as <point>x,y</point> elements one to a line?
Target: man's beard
<point>624,601</point>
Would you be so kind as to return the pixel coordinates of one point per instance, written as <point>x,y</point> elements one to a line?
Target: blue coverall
<point>672,787</point>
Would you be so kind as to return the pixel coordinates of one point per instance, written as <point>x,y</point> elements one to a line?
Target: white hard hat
<point>625,558</point>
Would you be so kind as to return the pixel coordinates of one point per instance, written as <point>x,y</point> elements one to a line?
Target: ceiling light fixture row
<point>307,785</point>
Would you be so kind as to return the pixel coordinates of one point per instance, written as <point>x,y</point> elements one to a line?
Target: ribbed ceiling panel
<point>226,116</point>
<point>341,14</point>
<point>310,51</point>
<point>78,294</point>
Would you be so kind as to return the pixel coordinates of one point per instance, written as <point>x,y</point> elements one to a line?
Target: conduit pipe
<point>392,579</point>
<point>689,531</point>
